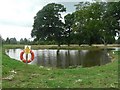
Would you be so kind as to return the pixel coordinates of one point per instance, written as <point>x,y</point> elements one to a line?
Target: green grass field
<point>16,74</point>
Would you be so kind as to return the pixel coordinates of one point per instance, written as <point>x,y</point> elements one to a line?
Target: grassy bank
<point>16,74</point>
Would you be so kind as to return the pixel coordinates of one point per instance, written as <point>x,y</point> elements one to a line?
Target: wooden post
<point>26,58</point>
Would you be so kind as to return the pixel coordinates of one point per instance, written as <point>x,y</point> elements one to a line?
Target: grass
<point>74,47</point>
<point>16,74</point>
<point>50,47</point>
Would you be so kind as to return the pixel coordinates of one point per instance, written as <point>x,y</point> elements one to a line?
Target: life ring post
<point>27,50</point>
<point>26,58</point>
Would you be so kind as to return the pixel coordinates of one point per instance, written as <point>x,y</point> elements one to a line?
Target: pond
<point>65,58</point>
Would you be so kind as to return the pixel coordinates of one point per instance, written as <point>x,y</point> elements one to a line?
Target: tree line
<point>24,41</point>
<point>14,41</point>
<point>91,23</point>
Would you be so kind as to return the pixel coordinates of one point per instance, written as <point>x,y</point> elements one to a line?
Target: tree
<point>13,41</point>
<point>21,41</point>
<point>24,41</point>
<point>94,23</point>
<point>118,40</point>
<point>81,18</point>
<point>110,21</point>
<point>7,41</point>
<point>69,19</point>
<point>82,34</point>
<point>3,41</point>
<point>114,13</point>
<point>48,24</point>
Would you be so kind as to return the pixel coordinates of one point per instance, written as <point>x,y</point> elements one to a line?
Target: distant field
<point>94,46</point>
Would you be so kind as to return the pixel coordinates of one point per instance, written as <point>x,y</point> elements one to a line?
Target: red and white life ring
<point>29,60</point>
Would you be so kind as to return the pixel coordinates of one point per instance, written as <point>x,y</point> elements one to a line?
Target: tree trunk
<point>105,43</point>
<point>68,44</point>
<point>58,44</point>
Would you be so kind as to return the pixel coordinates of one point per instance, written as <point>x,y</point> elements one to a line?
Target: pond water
<point>65,58</point>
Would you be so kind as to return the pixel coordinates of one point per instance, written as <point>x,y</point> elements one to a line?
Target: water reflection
<point>65,58</point>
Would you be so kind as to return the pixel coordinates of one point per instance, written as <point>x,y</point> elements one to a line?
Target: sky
<point>16,16</point>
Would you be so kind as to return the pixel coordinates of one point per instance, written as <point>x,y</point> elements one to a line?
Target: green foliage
<point>95,23</point>
<point>11,41</point>
<point>69,19</point>
<point>91,23</point>
<point>48,24</point>
<point>25,41</point>
<point>118,41</point>
<point>7,41</point>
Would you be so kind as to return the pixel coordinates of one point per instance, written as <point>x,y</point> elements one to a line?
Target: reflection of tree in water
<point>67,59</point>
<point>91,58</point>
<point>14,50</point>
<point>58,64</point>
<point>43,59</point>
<point>79,59</point>
<point>38,57</point>
<point>7,51</point>
<point>105,58</point>
<point>49,59</point>
<point>95,57</point>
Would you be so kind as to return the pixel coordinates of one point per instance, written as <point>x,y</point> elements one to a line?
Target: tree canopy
<point>91,23</point>
<point>48,24</point>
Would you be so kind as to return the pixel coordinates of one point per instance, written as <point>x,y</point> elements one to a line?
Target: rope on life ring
<point>29,60</point>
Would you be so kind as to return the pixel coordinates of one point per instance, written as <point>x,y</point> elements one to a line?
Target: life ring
<point>29,60</point>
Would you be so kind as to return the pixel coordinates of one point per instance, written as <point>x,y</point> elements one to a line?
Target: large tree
<point>48,24</point>
<point>96,22</point>
<point>69,19</point>
<point>114,13</point>
<point>79,23</point>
